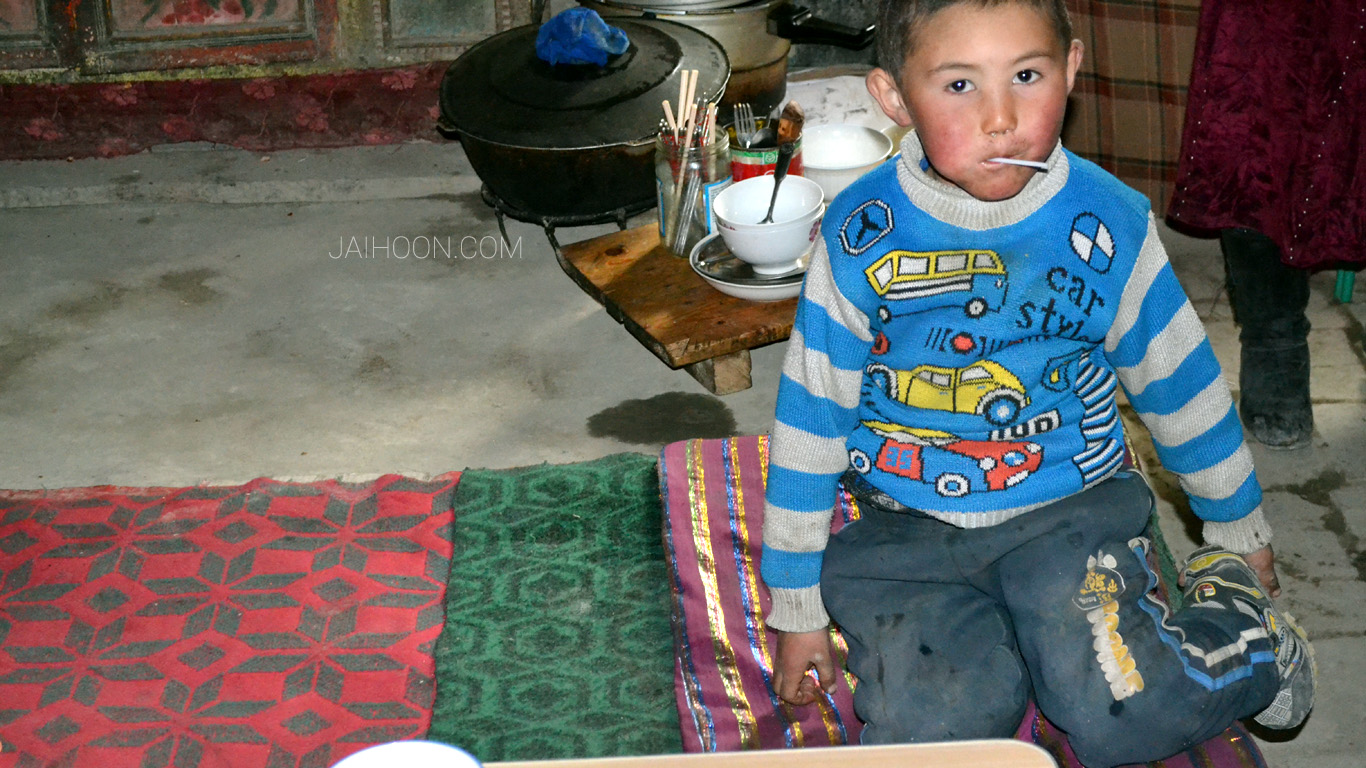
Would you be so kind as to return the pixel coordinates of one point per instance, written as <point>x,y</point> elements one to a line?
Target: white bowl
<point>836,155</point>
<point>775,248</point>
<point>410,754</point>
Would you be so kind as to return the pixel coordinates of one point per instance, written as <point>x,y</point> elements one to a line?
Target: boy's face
<point>983,83</point>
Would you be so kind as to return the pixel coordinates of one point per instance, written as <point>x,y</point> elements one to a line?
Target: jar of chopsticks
<point>689,171</point>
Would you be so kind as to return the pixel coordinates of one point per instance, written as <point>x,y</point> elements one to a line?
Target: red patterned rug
<point>269,624</point>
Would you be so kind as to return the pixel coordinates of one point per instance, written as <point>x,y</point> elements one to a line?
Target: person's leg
<point>1128,682</point>
<point>935,658</point>
<point>1269,301</point>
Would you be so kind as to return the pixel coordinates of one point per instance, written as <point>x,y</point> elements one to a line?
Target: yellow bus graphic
<point>939,279</point>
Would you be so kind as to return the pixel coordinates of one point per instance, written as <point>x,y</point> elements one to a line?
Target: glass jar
<point>687,180</point>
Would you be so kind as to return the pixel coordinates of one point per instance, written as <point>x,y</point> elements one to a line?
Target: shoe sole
<point>1278,713</point>
<point>1288,446</point>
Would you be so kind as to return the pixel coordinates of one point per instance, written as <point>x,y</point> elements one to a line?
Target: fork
<point>745,126</point>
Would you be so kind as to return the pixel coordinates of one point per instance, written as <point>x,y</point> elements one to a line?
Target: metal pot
<point>756,34</point>
<point>573,141</point>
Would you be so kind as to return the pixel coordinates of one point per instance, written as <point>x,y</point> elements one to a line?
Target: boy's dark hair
<point>898,21</point>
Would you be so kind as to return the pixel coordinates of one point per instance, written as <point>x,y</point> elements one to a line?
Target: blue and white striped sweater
<point>964,356</point>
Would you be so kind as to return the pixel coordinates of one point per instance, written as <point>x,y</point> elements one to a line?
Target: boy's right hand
<point>798,652</point>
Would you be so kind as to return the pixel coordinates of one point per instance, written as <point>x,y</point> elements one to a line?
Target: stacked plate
<point>714,262</point>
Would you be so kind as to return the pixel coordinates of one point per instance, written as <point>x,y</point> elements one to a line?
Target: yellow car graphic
<point>984,388</point>
<point>912,435</point>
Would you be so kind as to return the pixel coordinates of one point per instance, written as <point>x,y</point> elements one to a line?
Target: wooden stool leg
<point>723,375</point>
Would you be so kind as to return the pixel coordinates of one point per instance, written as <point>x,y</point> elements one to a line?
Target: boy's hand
<point>798,652</point>
<point>1263,561</point>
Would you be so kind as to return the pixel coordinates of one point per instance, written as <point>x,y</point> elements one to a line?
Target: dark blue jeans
<point>951,630</point>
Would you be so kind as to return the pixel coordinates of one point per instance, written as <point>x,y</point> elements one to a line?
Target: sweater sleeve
<point>817,409</point>
<point>1167,367</point>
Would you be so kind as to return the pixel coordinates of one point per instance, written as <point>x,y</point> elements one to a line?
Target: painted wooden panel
<point>18,17</point>
<point>185,15</point>
<point>133,35</point>
<point>428,24</point>
<point>426,20</point>
<point>27,39</point>
<point>109,37</point>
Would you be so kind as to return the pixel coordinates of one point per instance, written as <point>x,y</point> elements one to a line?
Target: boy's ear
<point>1074,54</point>
<point>883,89</point>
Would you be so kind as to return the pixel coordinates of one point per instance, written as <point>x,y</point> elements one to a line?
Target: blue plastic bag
<point>579,36</point>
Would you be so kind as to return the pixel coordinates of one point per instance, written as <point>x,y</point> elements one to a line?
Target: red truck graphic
<point>955,468</point>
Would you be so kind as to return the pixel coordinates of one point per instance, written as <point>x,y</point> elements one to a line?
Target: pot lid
<point>500,91</point>
<point>676,6</point>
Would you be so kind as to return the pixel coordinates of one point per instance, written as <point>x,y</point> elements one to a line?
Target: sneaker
<point>1216,574</point>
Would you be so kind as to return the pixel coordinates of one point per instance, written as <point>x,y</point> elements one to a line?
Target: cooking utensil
<point>764,136</point>
<point>687,207</point>
<point>790,122</point>
<point>687,165</point>
<point>789,129</point>
<point>744,124</point>
<point>779,173</point>
<point>757,35</point>
<point>573,140</point>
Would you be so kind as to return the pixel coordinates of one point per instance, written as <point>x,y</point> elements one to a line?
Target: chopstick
<point>682,96</point>
<point>692,124</point>
<point>695,116</point>
<point>669,116</point>
<point>708,133</point>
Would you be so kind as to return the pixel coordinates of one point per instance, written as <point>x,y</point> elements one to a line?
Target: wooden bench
<point>998,753</point>
<point>679,317</point>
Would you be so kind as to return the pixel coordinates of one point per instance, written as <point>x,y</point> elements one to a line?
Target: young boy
<point>963,328</point>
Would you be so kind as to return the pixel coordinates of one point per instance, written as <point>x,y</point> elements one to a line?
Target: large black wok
<point>576,140</point>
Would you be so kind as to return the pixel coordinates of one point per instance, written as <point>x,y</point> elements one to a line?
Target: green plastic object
<point>1346,282</point>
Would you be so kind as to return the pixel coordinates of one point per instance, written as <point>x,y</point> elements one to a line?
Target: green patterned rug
<point>557,641</point>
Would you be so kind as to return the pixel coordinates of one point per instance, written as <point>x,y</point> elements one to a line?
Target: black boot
<point>1269,300</point>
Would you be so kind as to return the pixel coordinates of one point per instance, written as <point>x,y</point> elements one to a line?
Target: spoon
<point>790,124</point>
<point>785,151</point>
<point>762,138</point>
<point>1013,161</point>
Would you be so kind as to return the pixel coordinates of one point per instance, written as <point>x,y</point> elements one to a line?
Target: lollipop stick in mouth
<point>1013,161</point>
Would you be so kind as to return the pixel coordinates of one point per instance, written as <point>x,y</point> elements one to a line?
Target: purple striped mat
<point>713,507</point>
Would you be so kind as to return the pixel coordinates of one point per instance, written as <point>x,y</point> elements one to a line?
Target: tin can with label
<point>760,161</point>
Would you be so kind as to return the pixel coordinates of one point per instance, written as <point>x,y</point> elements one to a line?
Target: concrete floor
<point>178,317</point>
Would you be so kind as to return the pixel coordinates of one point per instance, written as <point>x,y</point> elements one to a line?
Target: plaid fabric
<point>1130,97</point>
